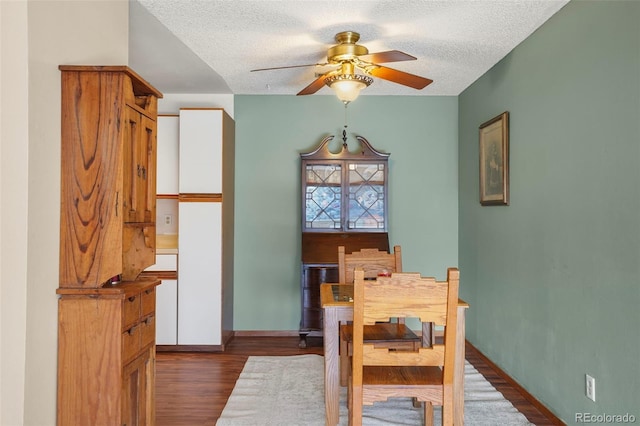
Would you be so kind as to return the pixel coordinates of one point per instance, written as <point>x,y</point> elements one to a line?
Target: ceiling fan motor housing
<point>347,49</point>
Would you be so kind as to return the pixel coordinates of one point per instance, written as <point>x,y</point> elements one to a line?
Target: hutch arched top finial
<point>364,152</point>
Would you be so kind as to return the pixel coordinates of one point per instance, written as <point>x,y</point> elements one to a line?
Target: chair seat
<point>406,375</point>
<point>420,383</point>
<point>384,333</point>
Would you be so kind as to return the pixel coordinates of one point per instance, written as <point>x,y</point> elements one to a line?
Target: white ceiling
<point>210,46</point>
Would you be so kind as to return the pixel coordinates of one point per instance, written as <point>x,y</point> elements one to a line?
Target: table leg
<point>331,366</point>
<point>458,380</point>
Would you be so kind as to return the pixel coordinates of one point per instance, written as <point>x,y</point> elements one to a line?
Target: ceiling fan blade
<point>314,86</point>
<point>399,77</point>
<point>290,66</point>
<point>388,56</point>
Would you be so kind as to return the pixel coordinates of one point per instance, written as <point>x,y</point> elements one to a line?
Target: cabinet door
<point>168,154</point>
<point>167,313</point>
<point>367,194</point>
<point>139,178</point>
<point>199,273</point>
<point>131,165</point>
<point>137,391</point>
<point>201,151</point>
<point>147,182</point>
<point>130,389</point>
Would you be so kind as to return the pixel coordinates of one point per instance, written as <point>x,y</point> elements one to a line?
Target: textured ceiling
<point>210,46</point>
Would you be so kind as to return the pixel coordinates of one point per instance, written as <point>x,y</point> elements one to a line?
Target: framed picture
<point>494,161</point>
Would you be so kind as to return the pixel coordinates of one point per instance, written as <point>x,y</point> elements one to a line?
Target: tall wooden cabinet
<point>344,203</point>
<point>106,313</point>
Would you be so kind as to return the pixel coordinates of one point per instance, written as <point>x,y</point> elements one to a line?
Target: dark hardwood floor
<point>192,388</point>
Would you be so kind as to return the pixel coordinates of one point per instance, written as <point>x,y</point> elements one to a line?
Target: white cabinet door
<point>168,152</point>
<point>201,151</point>
<point>167,313</point>
<point>199,263</point>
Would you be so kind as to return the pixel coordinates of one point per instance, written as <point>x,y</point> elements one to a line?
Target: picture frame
<point>494,161</point>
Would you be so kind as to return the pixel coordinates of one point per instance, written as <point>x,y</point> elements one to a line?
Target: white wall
<point>37,36</point>
<point>14,134</point>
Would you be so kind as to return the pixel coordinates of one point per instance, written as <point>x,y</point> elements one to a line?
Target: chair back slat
<point>406,296</point>
<point>371,260</point>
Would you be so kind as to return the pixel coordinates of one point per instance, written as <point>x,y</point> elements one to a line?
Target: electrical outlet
<point>168,219</point>
<point>590,387</point>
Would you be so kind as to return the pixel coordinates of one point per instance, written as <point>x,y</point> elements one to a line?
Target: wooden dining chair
<point>425,374</point>
<point>389,334</point>
<point>371,260</point>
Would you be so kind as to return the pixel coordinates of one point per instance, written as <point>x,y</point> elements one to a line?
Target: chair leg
<point>355,406</point>
<point>344,362</point>
<point>447,415</point>
<point>447,407</point>
<point>428,413</point>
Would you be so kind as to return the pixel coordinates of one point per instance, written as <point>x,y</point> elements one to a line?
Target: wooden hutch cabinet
<point>344,203</point>
<point>106,311</point>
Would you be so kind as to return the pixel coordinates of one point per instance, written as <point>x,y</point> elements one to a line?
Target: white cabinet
<point>168,153</point>
<point>166,268</point>
<point>196,161</point>
<point>205,236</point>
<point>201,150</point>
<point>199,301</point>
<point>166,313</point>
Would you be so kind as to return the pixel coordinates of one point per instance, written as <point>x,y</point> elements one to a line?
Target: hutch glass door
<point>344,191</point>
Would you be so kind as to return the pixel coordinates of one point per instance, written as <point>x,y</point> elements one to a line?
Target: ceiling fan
<point>348,56</point>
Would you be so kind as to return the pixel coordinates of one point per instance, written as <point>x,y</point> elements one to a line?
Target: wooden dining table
<point>337,306</point>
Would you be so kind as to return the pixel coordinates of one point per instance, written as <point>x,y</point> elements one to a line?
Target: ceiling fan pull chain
<point>344,131</point>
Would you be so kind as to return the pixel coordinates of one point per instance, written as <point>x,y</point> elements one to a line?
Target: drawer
<point>148,301</point>
<point>131,310</point>
<point>131,342</point>
<point>147,331</point>
<point>165,262</point>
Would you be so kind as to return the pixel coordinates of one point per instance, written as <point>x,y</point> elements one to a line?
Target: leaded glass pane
<point>366,196</point>
<point>323,195</point>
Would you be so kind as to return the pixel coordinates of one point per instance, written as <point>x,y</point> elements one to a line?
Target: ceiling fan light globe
<point>348,90</point>
<point>348,86</point>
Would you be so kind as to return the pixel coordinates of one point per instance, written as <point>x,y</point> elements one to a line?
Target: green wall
<point>271,132</point>
<point>553,279</point>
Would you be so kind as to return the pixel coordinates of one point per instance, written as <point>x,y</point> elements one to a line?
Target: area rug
<point>289,390</point>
